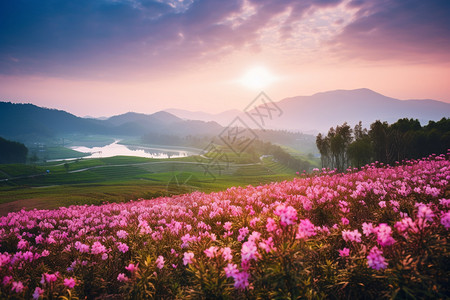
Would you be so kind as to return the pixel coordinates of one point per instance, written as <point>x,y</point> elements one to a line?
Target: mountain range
<point>321,111</point>
<point>28,122</point>
<point>313,113</point>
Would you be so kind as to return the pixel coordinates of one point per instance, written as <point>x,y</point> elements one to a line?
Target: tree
<point>12,152</point>
<point>360,150</point>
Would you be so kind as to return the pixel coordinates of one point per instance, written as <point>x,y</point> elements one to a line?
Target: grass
<point>122,178</point>
<point>59,152</point>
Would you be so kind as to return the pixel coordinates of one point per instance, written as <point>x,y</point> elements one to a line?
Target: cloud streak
<point>102,39</point>
<point>410,30</point>
<point>67,37</point>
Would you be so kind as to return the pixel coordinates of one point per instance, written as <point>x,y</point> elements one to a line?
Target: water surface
<point>115,149</point>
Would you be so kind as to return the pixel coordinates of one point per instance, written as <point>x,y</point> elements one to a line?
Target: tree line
<point>404,139</point>
<point>259,147</point>
<point>12,152</point>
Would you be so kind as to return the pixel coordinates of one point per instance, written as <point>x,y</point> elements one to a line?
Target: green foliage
<point>142,284</point>
<point>12,152</point>
<point>384,143</point>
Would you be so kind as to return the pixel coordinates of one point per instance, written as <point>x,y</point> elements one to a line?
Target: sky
<point>107,57</point>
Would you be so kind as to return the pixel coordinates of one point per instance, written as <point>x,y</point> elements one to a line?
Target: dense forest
<point>259,148</point>
<point>12,152</point>
<point>404,139</point>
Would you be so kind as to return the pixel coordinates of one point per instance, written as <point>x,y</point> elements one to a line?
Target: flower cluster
<point>377,219</point>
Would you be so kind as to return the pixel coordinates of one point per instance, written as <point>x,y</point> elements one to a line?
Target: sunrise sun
<point>257,78</point>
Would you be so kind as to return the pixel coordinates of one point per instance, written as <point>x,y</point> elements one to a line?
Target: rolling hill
<point>26,122</point>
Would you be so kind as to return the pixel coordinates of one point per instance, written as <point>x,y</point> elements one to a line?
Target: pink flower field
<point>379,232</point>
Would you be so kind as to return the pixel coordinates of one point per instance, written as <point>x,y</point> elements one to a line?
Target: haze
<point>101,58</point>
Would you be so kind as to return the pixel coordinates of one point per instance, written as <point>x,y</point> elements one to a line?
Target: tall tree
<point>12,152</point>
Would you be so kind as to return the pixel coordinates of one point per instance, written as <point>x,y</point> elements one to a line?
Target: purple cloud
<point>100,38</point>
<point>412,30</point>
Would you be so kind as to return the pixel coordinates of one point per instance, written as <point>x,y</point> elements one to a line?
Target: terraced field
<point>122,178</point>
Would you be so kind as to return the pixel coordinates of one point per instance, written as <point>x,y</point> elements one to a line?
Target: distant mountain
<point>25,120</point>
<point>324,110</point>
<point>223,118</point>
<point>307,114</point>
<point>160,117</point>
<point>28,122</point>
<point>319,112</point>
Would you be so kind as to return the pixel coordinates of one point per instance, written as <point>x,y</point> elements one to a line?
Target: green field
<point>121,178</point>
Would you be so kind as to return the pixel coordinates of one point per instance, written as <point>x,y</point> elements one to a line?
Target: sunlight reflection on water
<point>115,149</point>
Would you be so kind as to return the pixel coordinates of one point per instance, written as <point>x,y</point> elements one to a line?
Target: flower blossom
<point>305,229</point>
<point>131,268</point>
<point>160,262</point>
<point>122,277</point>
<point>211,251</point>
<point>187,258</point>
<point>344,252</point>
<point>70,282</point>
<point>287,214</point>
<point>375,260</point>
<point>122,247</point>
<point>38,292</point>
<point>352,236</point>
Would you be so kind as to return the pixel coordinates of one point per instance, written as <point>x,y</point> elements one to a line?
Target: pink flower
<point>226,254</point>
<point>227,226</point>
<point>384,237</point>
<point>288,215</point>
<point>249,251</point>
<point>271,225</point>
<point>211,251</point>
<point>49,278</point>
<point>344,221</point>
<point>122,247</point>
<point>425,212</point>
<point>231,270</point>
<point>353,236</point>
<point>4,259</point>
<point>22,244</point>
<point>17,287</point>
<point>254,236</point>
<point>131,268</point>
<point>305,229</point>
<point>445,220</point>
<point>367,228</point>
<point>70,282</point>
<point>344,252</point>
<point>241,280</point>
<point>122,277</point>
<point>267,245</point>
<point>406,224</point>
<point>122,234</point>
<point>7,280</point>
<point>160,262</point>
<point>81,247</point>
<point>254,221</point>
<point>98,248</point>
<point>375,260</point>
<point>187,258</point>
<point>38,292</point>
<point>243,232</point>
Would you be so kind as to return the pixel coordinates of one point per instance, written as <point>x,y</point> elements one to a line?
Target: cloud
<point>410,30</point>
<point>132,38</point>
<point>105,37</point>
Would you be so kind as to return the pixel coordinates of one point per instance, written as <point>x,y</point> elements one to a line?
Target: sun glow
<point>257,78</point>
